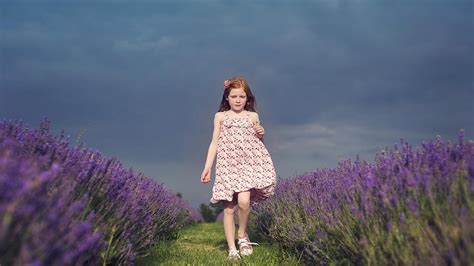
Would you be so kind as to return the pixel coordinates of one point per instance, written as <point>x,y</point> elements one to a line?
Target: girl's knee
<point>244,204</point>
<point>229,208</point>
<point>229,211</point>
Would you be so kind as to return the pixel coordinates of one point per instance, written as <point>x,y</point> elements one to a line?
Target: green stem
<point>109,246</point>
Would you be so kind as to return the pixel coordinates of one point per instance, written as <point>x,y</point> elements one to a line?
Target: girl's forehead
<point>238,91</point>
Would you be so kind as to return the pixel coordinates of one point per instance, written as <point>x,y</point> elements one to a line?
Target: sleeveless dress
<point>243,163</point>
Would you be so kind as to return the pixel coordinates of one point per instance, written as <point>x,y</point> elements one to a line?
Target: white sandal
<point>245,246</point>
<point>233,254</point>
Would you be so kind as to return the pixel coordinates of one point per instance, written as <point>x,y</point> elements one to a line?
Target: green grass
<point>205,244</point>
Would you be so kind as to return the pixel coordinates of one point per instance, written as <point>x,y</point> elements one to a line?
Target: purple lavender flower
<point>84,192</point>
<point>404,188</point>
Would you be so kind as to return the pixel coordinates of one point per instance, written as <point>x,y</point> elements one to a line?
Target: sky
<point>333,79</point>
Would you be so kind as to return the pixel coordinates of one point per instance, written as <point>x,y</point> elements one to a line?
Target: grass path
<point>205,244</point>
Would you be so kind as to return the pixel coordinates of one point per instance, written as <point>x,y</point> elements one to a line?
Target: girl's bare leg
<point>229,225</point>
<point>244,211</point>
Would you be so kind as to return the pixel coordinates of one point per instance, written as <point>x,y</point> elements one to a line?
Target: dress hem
<point>257,189</point>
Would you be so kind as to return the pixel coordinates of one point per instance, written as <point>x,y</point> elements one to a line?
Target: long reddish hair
<point>235,83</point>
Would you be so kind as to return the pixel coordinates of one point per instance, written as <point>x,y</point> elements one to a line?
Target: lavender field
<point>410,206</point>
<point>62,204</point>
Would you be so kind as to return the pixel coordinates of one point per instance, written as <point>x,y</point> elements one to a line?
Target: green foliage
<point>210,211</point>
<point>207,213</point>
<point>217,208</point>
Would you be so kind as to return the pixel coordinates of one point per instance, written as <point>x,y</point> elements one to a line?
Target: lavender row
<point>408,206</point>
<point>118,213</point>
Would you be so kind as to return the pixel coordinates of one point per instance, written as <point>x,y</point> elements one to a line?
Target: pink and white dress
<point>243,163</point>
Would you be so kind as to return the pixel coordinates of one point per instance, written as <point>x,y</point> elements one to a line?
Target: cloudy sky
<point>142,80</point>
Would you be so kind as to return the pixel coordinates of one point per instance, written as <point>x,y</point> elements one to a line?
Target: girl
<point>244,169</point>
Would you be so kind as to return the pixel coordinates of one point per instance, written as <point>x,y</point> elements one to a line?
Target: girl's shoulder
<point>253,113</point>
<point>220,115</point>
<point>254,116</point>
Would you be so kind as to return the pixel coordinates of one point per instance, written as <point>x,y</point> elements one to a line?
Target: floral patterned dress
<point>243,163</point>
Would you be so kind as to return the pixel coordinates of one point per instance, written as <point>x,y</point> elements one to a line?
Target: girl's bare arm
<point>211,154</point>
<point>257,122</point>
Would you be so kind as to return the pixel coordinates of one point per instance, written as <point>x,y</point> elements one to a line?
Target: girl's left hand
<point>260,130</point>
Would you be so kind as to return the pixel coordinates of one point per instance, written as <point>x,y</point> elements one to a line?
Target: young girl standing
<point>245,174</point>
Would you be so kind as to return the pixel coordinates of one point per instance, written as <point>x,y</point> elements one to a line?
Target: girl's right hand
<point>206,176</point>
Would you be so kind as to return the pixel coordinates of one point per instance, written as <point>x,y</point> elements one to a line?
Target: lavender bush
<point>35,228</point>
<point>411,206</point>
<point>125,211</point>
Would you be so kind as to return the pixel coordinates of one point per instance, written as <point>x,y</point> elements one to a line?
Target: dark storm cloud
<point>332,78</point>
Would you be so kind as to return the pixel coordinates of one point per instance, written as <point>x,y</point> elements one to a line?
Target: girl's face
<point>237,99</point>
